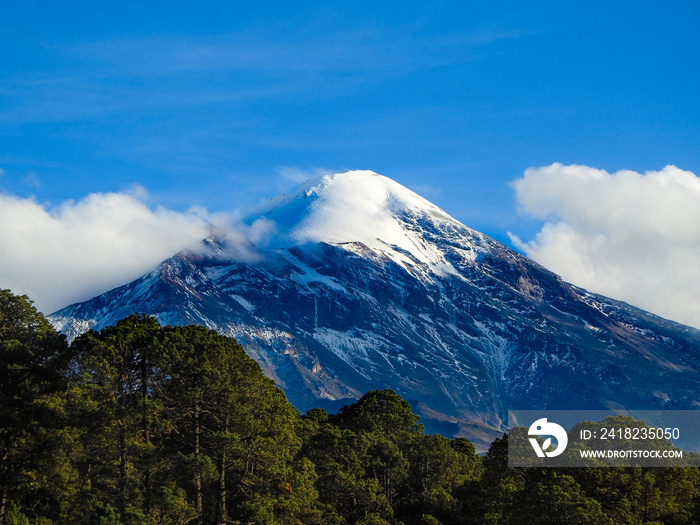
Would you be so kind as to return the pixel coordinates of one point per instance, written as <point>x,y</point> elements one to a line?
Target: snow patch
<point>359,206</point>
<point>244,303</point>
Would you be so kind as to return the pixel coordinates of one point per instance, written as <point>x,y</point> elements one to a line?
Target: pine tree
<point>236,432</point>
<point>114,396</point>
<point>32,359</point>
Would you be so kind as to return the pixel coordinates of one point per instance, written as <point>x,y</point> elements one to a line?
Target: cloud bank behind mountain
<point>628,235</point>
<point>60,255</point>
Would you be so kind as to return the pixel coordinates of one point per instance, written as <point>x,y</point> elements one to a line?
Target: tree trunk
<point>223,514</point>
<point>198,472</point>
<point>123,471</point>
<point>3,504</point>
<point>5,469</point>
<point>148,489</point>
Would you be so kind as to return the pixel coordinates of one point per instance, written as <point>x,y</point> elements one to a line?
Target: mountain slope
<point>364,284</point>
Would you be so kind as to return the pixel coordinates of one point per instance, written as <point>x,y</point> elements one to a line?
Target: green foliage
<point>32,365</point>
<point>586,495</point>
<point>345,483</point>
<point>189,424</point>
<point>439,469</point>
<point>382,412</point>
<point>13,516</point>
<point>375,465</point>
<point>143,424</point>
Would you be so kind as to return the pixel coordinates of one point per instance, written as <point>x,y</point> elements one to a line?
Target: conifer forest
<point>147,424</point>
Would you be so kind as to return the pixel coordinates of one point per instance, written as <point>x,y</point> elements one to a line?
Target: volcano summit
<point>362,284</point>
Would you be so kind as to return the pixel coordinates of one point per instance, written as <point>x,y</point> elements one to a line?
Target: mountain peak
<point>355,206</point>
<point>375,287</point>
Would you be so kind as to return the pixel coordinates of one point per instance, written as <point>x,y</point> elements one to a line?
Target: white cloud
<point>80,249</point>
<point>627,235</point>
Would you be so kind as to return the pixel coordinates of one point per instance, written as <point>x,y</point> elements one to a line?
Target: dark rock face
<point>480,331</point>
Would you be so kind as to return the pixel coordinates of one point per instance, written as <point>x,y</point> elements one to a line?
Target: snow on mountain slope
<point>358,206</point>
<point>367,285</point>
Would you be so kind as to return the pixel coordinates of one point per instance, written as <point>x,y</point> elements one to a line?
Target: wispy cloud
<point>366,49</point>
<point>301,175</point>
<point>148,74</point>
<point>627,235</point>
<point>427,191</point>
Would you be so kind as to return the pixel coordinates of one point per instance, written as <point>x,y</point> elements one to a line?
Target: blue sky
<point>222,105</point>
<point>203,103</point>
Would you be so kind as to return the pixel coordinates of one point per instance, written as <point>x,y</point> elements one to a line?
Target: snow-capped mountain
<point>354,282</point>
